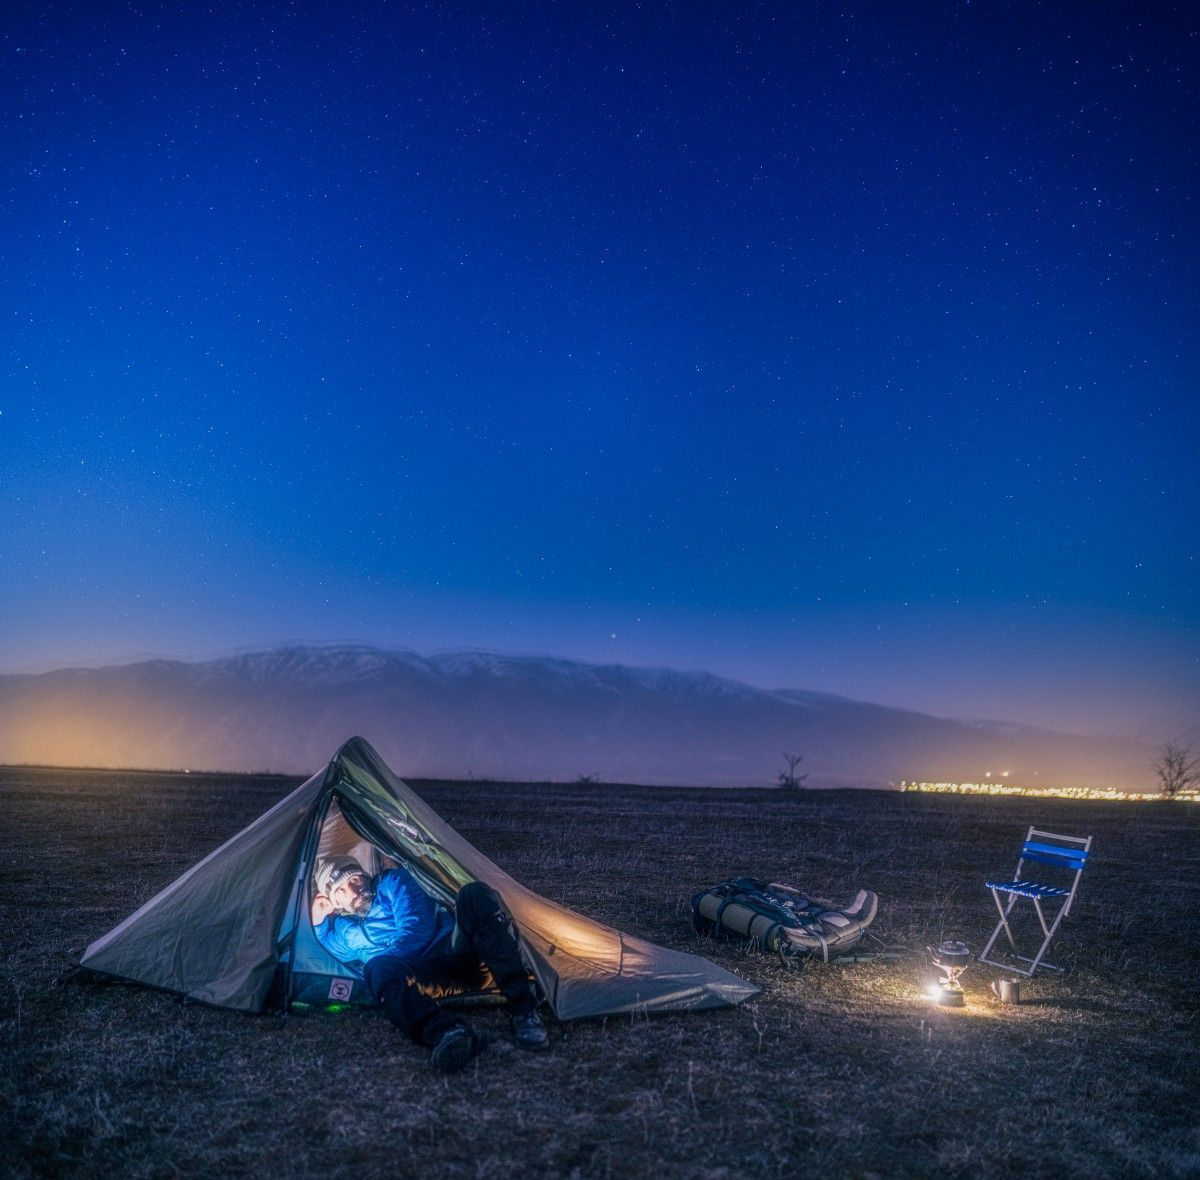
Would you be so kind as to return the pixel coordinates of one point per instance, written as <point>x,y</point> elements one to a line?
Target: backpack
<point>782,919</point>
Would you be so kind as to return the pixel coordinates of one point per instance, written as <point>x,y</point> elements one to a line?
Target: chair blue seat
<point>1029,889</point>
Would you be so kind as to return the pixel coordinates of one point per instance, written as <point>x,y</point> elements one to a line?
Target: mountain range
<point>483,715</point>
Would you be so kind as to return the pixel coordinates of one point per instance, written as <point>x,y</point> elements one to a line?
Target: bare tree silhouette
<point>1177,769</point>
<point>789,779</point>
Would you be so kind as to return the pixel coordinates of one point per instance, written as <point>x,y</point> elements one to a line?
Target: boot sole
<point>458,1052</point>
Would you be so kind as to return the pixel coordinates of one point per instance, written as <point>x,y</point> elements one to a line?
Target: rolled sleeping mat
<point>740,919</point>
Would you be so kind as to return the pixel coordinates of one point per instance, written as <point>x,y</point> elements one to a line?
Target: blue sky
<point>807,344</point>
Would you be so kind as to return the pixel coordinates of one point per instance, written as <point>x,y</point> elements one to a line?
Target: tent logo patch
<point>340,989</point>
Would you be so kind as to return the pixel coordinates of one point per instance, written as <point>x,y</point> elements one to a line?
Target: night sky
<point>817,345</point>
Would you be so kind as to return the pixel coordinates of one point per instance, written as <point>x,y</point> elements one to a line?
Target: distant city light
<point>1104,793</point>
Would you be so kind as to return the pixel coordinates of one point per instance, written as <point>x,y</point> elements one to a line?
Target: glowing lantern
<point>951,959</point>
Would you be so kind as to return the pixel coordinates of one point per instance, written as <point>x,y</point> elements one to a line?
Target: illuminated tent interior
<point>234,930</point>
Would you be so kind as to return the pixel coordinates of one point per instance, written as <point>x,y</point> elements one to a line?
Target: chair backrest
<point>1063,852</point>
<point>1071,853</point>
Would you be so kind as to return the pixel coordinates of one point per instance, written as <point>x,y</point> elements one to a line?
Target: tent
<point>234,930</point>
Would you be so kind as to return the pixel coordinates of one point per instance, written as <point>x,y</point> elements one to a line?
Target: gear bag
<point>782,919</point>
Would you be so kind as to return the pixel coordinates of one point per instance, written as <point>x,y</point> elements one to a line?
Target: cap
<point>332,870</point>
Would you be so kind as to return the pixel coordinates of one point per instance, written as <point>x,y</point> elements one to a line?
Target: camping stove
<point>951,959</point>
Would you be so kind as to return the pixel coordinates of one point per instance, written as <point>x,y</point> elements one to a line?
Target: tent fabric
<point>211,934</point>
<point>234,928</point>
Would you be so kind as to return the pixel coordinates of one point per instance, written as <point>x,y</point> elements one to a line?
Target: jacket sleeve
<point>344,938</point>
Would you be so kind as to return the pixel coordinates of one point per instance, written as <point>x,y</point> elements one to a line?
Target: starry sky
<point>849,347</point>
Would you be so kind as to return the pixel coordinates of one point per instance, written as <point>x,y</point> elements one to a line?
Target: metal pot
<point>952,955</point>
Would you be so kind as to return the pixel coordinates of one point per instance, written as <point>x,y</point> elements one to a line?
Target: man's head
<point>346,883</point>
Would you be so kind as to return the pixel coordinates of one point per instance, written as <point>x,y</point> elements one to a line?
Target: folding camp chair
<point>1067,853</point>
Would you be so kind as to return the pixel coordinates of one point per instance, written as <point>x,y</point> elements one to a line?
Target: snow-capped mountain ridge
<point>484,714</point>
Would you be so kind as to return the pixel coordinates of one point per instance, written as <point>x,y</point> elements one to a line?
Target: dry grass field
<point>832,1070</point>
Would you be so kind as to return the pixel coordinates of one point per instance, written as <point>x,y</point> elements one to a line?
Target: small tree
<point>1177,769</point>
<point>789,779</point>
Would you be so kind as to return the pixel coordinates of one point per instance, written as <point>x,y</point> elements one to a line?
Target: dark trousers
<point>482,933</point>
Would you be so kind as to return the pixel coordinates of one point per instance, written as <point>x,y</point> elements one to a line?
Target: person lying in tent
<point>401,936</point>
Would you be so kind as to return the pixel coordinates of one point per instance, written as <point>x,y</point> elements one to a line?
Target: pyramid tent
<point>234,931</point>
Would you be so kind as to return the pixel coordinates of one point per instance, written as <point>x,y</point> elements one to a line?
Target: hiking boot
<point>455,1048</point>
<point>529,1031</point>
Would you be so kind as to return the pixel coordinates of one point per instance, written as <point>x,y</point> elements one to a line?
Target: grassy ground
<point>839,1070</point>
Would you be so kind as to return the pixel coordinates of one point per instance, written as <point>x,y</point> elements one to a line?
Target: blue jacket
<point>403,919</point>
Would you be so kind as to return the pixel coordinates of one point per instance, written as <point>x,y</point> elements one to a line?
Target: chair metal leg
<point>1042,966</point>
<point>1036,961</point>
<point>1001,925</point>
<point>1033,963</point>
